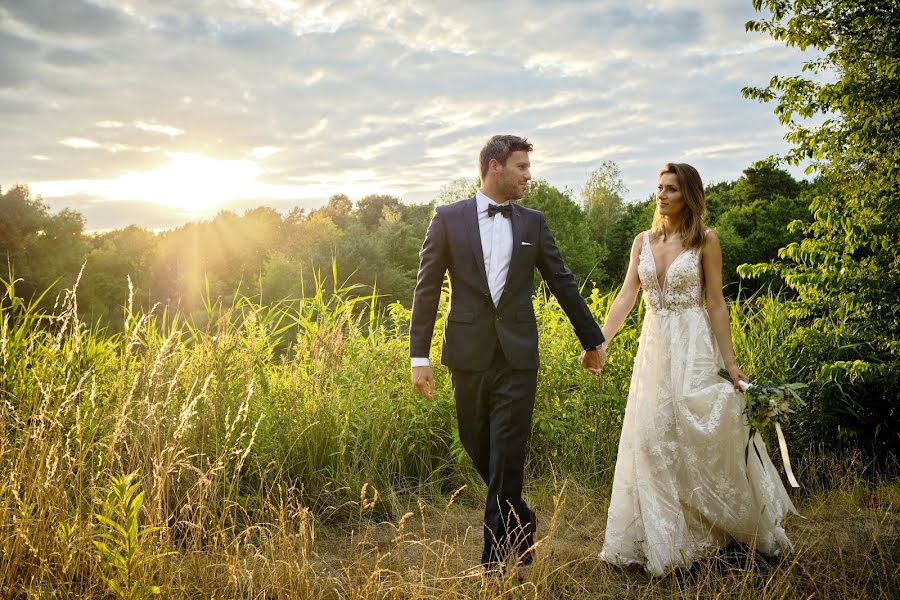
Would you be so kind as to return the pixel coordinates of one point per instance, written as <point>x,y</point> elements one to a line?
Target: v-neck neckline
<point>665,279</point>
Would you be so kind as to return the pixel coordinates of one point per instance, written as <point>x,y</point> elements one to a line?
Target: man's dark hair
<point>499,147</point>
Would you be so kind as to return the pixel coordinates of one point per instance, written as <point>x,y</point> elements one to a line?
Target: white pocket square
<point>526,243</point>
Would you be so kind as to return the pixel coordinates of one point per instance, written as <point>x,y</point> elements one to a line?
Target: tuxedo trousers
<point>493,409</point>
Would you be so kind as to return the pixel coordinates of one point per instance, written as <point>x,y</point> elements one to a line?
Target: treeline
<point>372,243</point>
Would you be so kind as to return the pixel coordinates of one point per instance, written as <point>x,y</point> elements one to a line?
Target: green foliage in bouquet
<point>769,403</point>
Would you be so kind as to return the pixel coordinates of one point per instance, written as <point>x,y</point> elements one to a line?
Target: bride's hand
<point>736,375</point>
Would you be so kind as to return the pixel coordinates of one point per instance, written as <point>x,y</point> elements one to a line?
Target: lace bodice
<point>681,287</point>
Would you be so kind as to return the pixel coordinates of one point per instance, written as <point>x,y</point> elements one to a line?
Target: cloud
<point>16,53</point>
<point>156,128</point>
<point>69,57</point>
<point>325,97</point>
<point>100,214</point>
<point>76,142</point>
<point>72,17</point>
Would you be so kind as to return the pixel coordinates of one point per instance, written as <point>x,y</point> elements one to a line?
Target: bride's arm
<point>626,297</point>
<point>715,304</point>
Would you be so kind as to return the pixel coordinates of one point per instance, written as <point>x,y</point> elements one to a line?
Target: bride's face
<point>669,199</point>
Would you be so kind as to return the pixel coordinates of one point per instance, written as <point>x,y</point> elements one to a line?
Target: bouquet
<point>768,404</point>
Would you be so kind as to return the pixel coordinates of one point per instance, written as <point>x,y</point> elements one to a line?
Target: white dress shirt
<point>496,246</point>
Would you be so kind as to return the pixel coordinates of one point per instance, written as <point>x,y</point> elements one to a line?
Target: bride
<point>681,485</point>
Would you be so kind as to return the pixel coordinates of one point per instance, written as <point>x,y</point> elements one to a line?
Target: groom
<point>491,246</point>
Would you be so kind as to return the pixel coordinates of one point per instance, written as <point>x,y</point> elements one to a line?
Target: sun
<point>196,185</point>
<point>189,181</point>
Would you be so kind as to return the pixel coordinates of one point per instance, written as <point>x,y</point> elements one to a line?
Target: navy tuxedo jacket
<point>473,325</point>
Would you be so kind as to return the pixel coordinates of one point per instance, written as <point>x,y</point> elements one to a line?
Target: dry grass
<point>254,474</point>
<point>847,547</point>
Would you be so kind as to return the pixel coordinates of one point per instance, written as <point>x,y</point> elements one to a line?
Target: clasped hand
<point>593,360</point>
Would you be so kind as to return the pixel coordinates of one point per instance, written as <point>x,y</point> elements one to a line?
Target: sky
<point>160,112</point>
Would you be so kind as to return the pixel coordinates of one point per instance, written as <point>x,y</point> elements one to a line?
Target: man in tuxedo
<point>491,246</point>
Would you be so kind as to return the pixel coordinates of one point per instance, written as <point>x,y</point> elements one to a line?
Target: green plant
<point>123,544</point>
<point>843,114</point>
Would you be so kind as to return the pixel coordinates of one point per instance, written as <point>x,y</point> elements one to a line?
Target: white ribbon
<point>784,456</point>
<point>782,444</point>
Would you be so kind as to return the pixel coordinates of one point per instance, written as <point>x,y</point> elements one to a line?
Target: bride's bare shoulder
<point>638,241</point>
<point>711,242</point>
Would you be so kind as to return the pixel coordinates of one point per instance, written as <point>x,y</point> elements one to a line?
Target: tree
<point>58,251</point>
<point>761,181</point>
<point>570,226</point>
<point>602,199</point>
<point>751,216</point>
<point>458,189</point>
<point>41,247</point>
<point>718,199</point>
<point>846,269</point>
<point>313,240</point>
<point>753,233</point>
<point>21,217</point>
<point>280,279</point>
<point>635,218</point>
<point>115,257</point>
<point>262,231</point>
<point>370,209</point>
<point>338,210</point>
<point>764,181</point>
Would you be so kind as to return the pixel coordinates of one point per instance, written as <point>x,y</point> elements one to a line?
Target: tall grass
<point>279,452</point>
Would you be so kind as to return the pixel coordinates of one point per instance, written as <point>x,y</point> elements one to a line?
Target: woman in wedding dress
<point>681,485</point>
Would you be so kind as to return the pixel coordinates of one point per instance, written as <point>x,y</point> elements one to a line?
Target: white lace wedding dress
<point>681,483</point>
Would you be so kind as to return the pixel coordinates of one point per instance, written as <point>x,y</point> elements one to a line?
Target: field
<point>279,452</point>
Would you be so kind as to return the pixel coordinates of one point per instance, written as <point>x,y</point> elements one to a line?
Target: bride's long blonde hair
<point>693,220</point>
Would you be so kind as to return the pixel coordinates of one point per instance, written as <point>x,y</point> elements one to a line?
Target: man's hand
<point>593,360</point>
<point>423,382</point>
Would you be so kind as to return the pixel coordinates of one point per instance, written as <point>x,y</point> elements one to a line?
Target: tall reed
<point>279,451</point>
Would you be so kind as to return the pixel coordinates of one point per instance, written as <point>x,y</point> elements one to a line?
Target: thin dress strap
<point>702,287</point>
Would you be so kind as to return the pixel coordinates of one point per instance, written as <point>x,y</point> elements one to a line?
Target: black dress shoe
<point>526,544</point>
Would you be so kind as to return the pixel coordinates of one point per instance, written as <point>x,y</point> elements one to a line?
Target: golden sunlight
<point>198,184</point>
<point>189,181</point>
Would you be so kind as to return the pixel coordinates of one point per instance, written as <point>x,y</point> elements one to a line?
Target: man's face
<point>514,177</point>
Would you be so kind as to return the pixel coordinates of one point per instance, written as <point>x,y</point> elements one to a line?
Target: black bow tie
<point>505,210</point>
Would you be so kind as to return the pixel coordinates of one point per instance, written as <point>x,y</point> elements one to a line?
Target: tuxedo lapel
<point>473,233</point>
<point>518,227</point>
